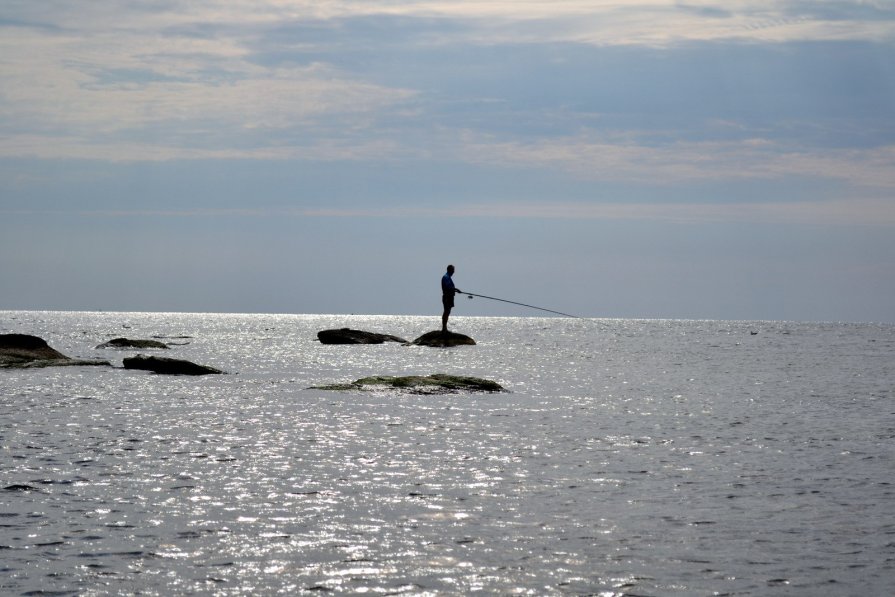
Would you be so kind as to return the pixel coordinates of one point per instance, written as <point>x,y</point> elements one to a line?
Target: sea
<point>625,458</point>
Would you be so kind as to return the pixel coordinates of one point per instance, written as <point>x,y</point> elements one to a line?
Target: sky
<point>705,159</point>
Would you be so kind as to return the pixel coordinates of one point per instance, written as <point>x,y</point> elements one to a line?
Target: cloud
<point>859,212</point>
<point>119,83</point>
<point>101,86</point>
<point>590,157</point>
<point>644,22</point>
<point>869,211</point>
<point>71,147</point>
<point>102,67</point>
<point>584,157</point>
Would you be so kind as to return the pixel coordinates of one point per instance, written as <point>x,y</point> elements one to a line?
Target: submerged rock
<point>438,383</point>
<point>129,343</point>
<point>443,339</point>
<point>348,336</point>
<point>20,487</point>
<point>23,351</point>
<point>66,362</point>
<point>168,366</point>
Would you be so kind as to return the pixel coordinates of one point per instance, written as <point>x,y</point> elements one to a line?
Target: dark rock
<point>128,343</point>
<point>66,362</point>
<point>348,336</point>
<point>20,487</point>
<point>438,383</point>
<point>443,339</point>
<point>168,366</point>
<point>28,348</point>
<point>23,351</point>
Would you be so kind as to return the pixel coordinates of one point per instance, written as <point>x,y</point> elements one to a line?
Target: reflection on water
<point>630,457</point>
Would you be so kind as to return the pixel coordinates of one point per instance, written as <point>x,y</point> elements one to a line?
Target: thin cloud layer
<point>203,96</point>
<point>122,64</point>
<point>862,212</point>
<point>681,162</point>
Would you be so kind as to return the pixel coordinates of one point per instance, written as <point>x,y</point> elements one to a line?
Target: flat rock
<point>25,351</point>
<point>443,339</point>
<point>129,343</point>
<point>168,366</point>
<point>349,336</point>
<point>438,383</point>
<point>66,362</point>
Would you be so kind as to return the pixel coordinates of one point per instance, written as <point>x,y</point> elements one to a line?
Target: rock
<point>168,366</point>
<point>20,487</point>
<point>27,347</point>
<point>128,343</point>
<point>348,336</point>
<point>66,362</point>
<point>23,351</point>
<point>438,383</point>
<point>443,339</point>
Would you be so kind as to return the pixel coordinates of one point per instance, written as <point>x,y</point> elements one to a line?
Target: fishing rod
<point>470,295</point>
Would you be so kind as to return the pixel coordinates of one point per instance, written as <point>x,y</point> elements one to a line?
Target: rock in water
<point>27,348</point>
<point>438,383</point>
<point>22,350</point>
<point>443,339</point>
<point>128,343</point>
<point>168,366</point>
<point>348,336</point>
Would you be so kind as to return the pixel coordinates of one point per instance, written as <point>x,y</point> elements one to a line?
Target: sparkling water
<point>627,457</point>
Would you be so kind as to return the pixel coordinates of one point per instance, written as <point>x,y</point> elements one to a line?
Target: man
<point>448,290</point>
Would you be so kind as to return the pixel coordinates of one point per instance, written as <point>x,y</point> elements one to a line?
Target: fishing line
<point>470,295</point>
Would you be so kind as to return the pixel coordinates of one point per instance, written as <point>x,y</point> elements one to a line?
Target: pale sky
<point>706,159</point>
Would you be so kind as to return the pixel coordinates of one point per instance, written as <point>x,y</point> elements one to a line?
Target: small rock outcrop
<point>29,348</point>
<point>438,383</point>
<point>23,350</point>
<point>349,336</point>
<point>443,339</point>
<point>168,366</point>
<point>129,343</point>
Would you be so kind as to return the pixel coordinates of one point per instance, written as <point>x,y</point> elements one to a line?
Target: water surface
<point>627,458</point>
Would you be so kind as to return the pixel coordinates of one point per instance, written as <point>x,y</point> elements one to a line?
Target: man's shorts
<point>447,300</point>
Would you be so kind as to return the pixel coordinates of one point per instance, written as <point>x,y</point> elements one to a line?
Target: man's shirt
<point>447,285</point>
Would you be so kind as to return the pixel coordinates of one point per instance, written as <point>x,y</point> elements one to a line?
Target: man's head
<point>450,270</point>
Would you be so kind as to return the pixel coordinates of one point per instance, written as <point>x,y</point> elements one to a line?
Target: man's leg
<point>444,318</point>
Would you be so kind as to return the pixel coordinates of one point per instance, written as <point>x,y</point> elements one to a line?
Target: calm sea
<point>627,458</point>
